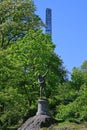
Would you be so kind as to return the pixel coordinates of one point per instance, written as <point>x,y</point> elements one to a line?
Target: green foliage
<point>84,66</point>
<point>77,107</point>
<point>20,64</point>
<point>77,78</point>
<point>16,18</point>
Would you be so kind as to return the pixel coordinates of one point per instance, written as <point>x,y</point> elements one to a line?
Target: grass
<point>68,125</point>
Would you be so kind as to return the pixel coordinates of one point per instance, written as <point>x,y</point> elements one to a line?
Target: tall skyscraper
<point>49,21</point>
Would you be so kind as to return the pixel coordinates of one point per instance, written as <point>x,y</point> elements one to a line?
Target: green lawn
<point>68,126</point>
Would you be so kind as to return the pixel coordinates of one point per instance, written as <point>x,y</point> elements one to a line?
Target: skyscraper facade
<point>49,21</point>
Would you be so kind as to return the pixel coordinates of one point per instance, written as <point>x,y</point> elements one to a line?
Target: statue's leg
<point>44,92</point>
<point>40,91</point>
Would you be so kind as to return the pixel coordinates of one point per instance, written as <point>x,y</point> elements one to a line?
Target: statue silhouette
<point>42,83</point>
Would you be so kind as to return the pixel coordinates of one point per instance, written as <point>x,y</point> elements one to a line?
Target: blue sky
<point>69,29</point>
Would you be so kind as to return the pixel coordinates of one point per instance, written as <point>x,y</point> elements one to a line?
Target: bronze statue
<point>42,83</point>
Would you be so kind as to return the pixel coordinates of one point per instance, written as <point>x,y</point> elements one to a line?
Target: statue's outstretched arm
<point>45,73</point>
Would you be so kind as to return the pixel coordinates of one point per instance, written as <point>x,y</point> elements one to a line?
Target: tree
<point>79,75</point>
<point>11,102</point>
<point>84,66</point>
<point>32,54</point>
<point>76,108</point>
<point>77,78</point>
<point>16,18</point>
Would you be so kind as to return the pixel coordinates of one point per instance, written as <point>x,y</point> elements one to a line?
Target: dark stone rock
<point>42,119</point>
<point>36,122</point>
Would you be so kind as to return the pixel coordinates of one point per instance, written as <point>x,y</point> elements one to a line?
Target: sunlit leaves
<point>16,18</point>
<point>76,108</point>
<point>20,64</point>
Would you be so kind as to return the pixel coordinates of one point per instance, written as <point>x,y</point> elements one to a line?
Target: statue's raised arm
<point>45,73</point>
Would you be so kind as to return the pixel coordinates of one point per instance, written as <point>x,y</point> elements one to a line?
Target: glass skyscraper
<point>49,21</point>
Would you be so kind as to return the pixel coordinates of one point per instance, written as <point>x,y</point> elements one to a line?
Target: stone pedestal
<point>41,119</point>
<point>42,107</point>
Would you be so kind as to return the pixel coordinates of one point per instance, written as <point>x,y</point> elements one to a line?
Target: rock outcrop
<point>41,119</point>
<point>36,122</point>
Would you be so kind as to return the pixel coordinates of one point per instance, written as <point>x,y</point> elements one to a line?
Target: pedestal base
<point>41,119</point>
<point>42,107</point>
